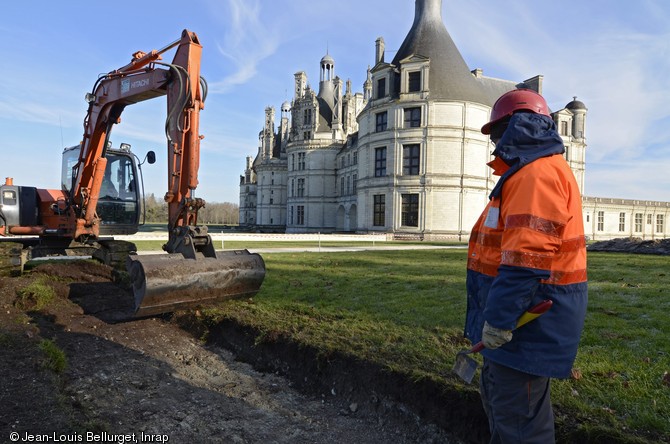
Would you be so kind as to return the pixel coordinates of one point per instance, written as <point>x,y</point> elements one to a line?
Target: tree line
<point>227,213</point>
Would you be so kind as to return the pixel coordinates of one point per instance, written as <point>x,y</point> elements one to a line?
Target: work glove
<point>493,337</point>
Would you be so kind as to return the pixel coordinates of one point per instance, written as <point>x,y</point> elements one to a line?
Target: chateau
<point>406,155</point>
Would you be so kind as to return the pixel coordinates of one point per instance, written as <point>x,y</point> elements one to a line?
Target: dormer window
<point>414,84</point>
<point>381,88</point>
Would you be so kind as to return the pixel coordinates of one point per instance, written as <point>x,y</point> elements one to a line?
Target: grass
<point>405,310</point>
<point>624,354</point>
<point>54,357</point>
<point>333,302</point>
<point>36,295</point>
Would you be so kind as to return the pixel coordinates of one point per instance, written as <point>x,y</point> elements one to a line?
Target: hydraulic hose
<point>204,87</point>
<point>181,100</point>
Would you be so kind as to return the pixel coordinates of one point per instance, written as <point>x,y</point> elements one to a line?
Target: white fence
<point>277,237</point>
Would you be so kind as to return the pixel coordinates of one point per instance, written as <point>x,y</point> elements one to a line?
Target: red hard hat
<point>515,100</point>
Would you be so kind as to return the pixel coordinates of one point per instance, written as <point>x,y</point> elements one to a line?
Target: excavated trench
<point>156,376</point>
<point>358,385</point>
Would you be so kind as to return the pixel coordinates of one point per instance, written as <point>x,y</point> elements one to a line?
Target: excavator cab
<point>120,202</point>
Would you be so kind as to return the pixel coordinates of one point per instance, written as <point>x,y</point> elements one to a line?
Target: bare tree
<point>226,213</point>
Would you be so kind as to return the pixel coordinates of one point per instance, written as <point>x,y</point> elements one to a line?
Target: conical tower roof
<point>450,78</point>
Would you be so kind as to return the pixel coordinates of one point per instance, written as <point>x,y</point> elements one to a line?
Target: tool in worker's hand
<point>465,366</point>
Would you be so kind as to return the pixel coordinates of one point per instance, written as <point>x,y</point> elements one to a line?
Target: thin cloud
<point>617,67</point>
<point>643,180</point>
<point>625,103</point>
<point>38,113</point>
<point>26,96</point>
<point>28,112</point>
<point>229,147</point>
<point>246,44</point>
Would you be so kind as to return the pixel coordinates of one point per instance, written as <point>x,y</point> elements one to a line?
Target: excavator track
<point>12,258</point>
<point>114,252</point>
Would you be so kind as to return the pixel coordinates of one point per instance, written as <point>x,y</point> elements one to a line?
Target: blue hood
<point>528,137</point>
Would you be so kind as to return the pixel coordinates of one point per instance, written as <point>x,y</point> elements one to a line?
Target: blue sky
<point>614,56</point>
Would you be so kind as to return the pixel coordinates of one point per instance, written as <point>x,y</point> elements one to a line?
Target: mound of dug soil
<point>633,245</point>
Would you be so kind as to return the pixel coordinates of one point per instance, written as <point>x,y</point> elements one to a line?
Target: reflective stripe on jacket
<point>528,245</point>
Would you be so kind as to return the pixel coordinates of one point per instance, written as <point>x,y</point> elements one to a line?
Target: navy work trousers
<point>518,405</point>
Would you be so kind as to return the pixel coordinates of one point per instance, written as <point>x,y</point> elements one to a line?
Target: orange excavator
<point>100,196</point>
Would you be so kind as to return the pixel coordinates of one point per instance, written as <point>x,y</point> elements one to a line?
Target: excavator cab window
<point>119,202</point>
<point>70,158</point>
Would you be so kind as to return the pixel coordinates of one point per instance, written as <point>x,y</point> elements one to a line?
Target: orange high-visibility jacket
<point>528,245</point>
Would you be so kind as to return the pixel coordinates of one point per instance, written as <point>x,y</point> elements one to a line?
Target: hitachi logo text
<point>139,83</point>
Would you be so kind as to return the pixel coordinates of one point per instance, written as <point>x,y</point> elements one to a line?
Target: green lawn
<point>405,310</point>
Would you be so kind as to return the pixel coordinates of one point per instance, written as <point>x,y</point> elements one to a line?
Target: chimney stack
<point>379,50</point>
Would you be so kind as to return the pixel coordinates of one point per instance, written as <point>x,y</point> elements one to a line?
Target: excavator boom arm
<point>138,81</point>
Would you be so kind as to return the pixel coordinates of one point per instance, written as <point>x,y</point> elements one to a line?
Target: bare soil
<point>633,245</point>
<point>156,377</point>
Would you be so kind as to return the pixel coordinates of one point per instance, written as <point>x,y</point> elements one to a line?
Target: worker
<point>527,246</point>
<point>107,188</point>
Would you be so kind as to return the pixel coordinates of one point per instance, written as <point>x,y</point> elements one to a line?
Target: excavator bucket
<point>164,283</point>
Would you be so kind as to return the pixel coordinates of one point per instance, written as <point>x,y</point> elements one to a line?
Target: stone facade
<point>405,156</point>
<point>606,218</point>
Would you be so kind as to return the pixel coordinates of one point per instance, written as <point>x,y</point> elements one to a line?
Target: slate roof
<point>450,78</point>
